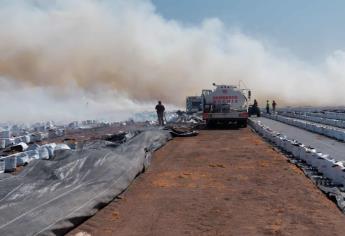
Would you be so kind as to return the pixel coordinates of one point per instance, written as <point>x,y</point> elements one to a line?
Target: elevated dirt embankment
<point>222,182</point>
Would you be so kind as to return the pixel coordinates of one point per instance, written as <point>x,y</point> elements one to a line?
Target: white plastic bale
<point>276,140</point>
<point>328,132</point>
<point>2,143</point>
<point>342,135</point>
<point>333,133</point>
<point>33,138</point>
<point>26,139</point>
<point>318,129</point>
<point>332,171</point>
<point>282,143</point>
<point>43,153</point>
<point>309,156</point>
<point>10,163</point>
<point>33,154</point>
<point>39,137</point>
<point>22,159</point>
<point>271,137</point>
<point>17,140</point>
<point>62,146</point>
<point>337,116</point>
<point>50,147</point>
<point>318,160</point>
<point>2,165</point>
<point>295,150</point>
<point>309,127</point>
<point>338,135</point>
<point>5,134</point>
<point>288,146</point>
<point>9,142</point>
<point>23,145</point>
<point>302,153</point>
<point>285,145</point>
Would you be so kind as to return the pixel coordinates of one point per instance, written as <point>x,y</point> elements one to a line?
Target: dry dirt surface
<point>222,182</point>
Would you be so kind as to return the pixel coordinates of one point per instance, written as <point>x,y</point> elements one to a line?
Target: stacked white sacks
<point>39,136</point>
<point>317,119</point>
<point>35,152</point>
<point>2,143</point>
<point>61,146</point>
<point>328,115</point>
<point>22,159</point>
<point>26,139</point>
<point>10,141</point>
<point>328,131</point>
<point>5,134</point>
<point>10,163</point>
<point>43,153</point>
<point>323,163</point>
<point>53,133</point>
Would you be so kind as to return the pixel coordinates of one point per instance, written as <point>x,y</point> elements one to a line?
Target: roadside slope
<point>222,182</point>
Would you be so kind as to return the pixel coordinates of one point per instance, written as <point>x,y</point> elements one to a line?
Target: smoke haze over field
<point>60,56</point>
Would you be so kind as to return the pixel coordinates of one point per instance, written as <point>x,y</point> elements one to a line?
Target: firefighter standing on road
<point>268,107</point>
<point>160,113</point>
<point>255,105</point>
<point>274,104</point>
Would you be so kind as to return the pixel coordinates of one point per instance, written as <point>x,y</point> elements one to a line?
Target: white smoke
<point>121,56</point>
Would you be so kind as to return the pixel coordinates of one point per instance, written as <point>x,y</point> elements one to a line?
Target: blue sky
<point>310,29</point>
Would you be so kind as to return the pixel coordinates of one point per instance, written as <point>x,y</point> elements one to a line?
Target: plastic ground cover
<point>49,197</point>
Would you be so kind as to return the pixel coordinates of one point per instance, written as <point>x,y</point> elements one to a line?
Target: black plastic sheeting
<point>333,191</point>
<point>49,197</point>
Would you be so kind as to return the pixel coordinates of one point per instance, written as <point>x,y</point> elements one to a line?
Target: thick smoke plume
<point>122,53</point>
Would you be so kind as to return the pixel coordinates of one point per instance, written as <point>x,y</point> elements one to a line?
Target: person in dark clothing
<point>254,109</point>
<point>160,113</point>
<point>274,104</point>
<point>268,107</point>
<point>255,105</point>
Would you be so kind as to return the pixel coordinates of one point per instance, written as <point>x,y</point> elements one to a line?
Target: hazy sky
<point>71,59</point>
<point>310,29</point>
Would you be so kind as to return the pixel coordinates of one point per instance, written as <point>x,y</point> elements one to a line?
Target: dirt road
<point>222,182</point>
